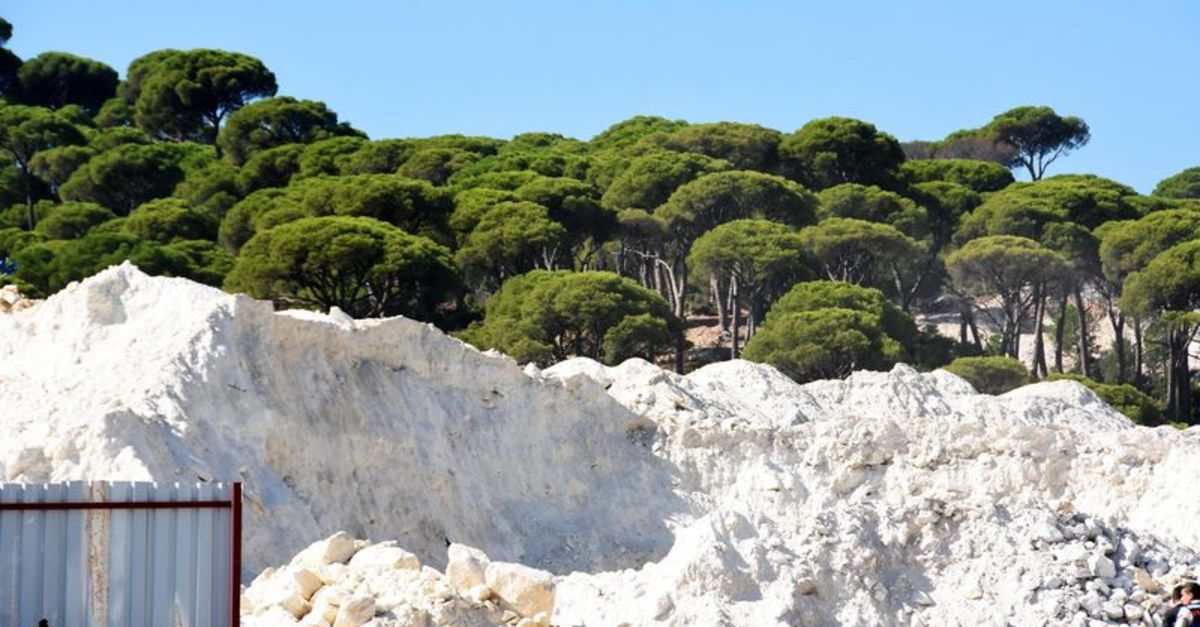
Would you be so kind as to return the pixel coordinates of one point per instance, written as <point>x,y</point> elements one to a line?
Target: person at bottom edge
<point>1189,606</point>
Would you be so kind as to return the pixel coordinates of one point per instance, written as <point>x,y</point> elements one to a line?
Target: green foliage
<point>103,139</point>
<point>546,317</point>
<point>744,146</point>
<point>1011,269</point>
<point>1025,209</point>
<point>990,375</point>
<point>272,167</point>
<point>628,132</point>
<point>1001,264</point>
<point>1125,398</point>
<point>535,141</point>
<point>365,267</point>
<point>9,63</point>
<point>1129,245</point>
<point>470,205</point>
<point>208,263</point>
<point>13,239</point>
<point>1185,184</point>
<point>827,329</point>
<point>548,162</point>
<point>436,165</point>
<point>714,199</point>
<point>211,190</point>
<point>870,203</point>
<point>980,176</point>
<point>166,220</point>
<point>127,176</point>
<point>644,336</point>
<point>51,265</point>
<point>58,79</point>
<point>114,113</point>
<point>857,251</point>
<point>831,151</point>
<point>55,165</point>
<point>813,295</point>
<point>1169,284</point>
<point>25,131</point>
<point>511,238</point>
<point>765,259</point>
<point>186,94</point>
<point>328,156</point>
<point>650,180</point>
<point>968,144</point>
<point>946,204</point>
<point>72,220</point>
<point>378,157</point>
<point>827,343</point>
<point>415,206</point>
<point>258,211</point>
<point>275,122</point>
<point>1039,135</point>
<point>572,203</point>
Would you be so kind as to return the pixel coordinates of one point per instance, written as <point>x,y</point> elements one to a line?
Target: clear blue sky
<point>917,69</point>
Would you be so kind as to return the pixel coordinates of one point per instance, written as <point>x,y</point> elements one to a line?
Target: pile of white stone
<point>344,582</point>
<point>729,496</point>
<point>11,300</point>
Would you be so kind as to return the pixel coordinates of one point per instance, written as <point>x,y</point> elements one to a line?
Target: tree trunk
<point>735,311</point>
<point>975,332</point>
<point>1039,345</point>
<point>714,284</point>
<point>1138,371</point>
<point>27,176</point>
<point>1178,376</point>
<point>1185,378</point>
<point>1118,324</point>
<point>1085,356</point>
<point>1060,331</point>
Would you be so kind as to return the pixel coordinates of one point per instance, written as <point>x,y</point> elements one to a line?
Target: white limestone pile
<point>730,496</point>
<point>343,582</point>
<point>383,428</point>
<point>11,300</point>
<point>897,498</point>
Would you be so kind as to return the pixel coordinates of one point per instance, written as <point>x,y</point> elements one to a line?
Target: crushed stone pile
<point>345,582</point>
<point>730,496</point>
<point>11,300</point>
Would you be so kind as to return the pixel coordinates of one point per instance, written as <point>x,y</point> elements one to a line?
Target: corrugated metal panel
<point>121,568</point>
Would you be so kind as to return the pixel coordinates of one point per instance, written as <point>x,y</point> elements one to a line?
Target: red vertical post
<point>235,563</point>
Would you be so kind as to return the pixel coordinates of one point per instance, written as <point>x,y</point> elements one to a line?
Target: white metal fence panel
<point>133,562</point>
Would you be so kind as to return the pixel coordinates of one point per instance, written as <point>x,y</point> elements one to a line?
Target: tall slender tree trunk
<point>1185,378</point>
<point>735,312</point>
<point>1060,330</point>
<point>1178,376</point>
<point>714,285</point>
<point>1085,355</point>
<point>1118,325</point>
<point>1039,346</point>
<point>1138,370</point>
<point>32,215</point>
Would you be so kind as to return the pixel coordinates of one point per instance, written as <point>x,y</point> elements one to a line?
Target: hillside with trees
<point>819,250</point>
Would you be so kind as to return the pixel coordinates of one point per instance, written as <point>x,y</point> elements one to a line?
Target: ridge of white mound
<point>730,496</point>
<point>385,428</point>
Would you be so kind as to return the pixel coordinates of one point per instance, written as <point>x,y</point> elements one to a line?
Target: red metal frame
<point>235,562</point>
<point>43,507</point>
<point>234,504</point>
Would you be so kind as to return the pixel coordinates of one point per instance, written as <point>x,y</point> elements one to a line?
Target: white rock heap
<point>603,496</point>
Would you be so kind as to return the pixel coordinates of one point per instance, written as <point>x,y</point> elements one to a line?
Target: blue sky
<point>917,69</point>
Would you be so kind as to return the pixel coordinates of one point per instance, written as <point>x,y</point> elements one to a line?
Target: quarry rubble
<point>433,484</point>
